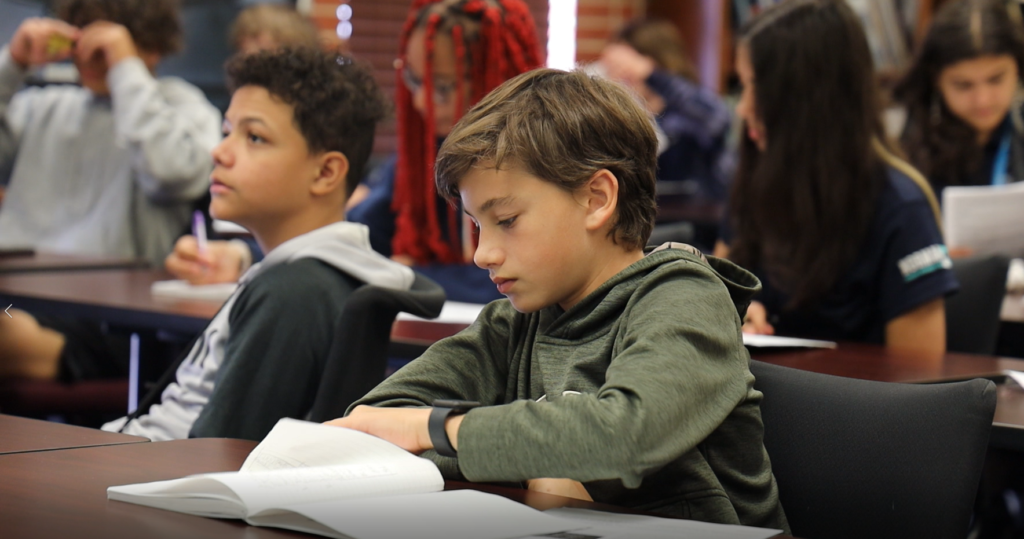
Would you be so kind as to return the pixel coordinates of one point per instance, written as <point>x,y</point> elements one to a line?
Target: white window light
<point>562,34</point>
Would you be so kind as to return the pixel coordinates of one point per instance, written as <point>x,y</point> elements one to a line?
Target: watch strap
<point>435,424</point>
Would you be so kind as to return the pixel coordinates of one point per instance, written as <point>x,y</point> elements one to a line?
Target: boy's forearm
<point>172,141</point>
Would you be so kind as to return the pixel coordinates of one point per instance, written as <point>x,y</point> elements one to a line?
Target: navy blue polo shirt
<point>902,265</point>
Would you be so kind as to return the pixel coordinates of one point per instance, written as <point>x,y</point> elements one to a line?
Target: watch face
<point>461,405</point>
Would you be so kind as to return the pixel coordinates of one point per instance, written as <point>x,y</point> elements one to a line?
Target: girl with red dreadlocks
<point>453,52</point>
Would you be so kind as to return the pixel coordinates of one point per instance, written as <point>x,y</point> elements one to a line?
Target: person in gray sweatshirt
<point>111,167</point>
<point>108,168</point>
<point>607,374</point>
<point>297,136</point>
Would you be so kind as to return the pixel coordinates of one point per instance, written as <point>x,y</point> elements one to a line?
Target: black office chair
<point>855,458</point>
<point>359,354</point>
<point>972,314</point>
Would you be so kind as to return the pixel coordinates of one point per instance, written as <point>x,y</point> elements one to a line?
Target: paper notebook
<point>179,289</point>
<point>342,483</point>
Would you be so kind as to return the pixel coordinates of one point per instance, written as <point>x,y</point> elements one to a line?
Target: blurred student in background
<point>650,56</point>
<point>269,26</point>
<point>109,168</point>
<point>843,236</point>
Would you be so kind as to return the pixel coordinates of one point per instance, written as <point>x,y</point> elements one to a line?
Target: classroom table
<point>22,435</point>
<point>119,297</point>
<point>63,493</point>
<point>37,262</point>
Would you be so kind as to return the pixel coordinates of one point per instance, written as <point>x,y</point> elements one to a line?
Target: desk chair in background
<point>972,314</point>
<point>856,458</point>
<point>358,358</point>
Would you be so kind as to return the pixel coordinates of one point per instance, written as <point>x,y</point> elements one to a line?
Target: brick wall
<point>599,20</point>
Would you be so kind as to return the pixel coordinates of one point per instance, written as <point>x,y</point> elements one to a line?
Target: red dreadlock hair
<point>496,40</point>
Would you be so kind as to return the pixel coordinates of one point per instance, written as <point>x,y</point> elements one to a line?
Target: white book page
<point>596,524</point>
<point>269,490</point>
<point>985,219</point>
<point>197,495</point>
<point>457,514</point>
<point>298,444</point>
<point>774,341</point>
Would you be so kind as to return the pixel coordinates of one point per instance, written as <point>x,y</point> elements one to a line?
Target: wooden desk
<point>63,493</point>
<point>119,297</point>
<point>20,435</point>
<point>58,262</point>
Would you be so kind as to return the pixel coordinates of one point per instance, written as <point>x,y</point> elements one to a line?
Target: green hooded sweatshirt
<point>641,391</point>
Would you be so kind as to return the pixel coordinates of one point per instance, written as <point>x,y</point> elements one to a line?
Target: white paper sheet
<point>453,312</point>
<point>774,341</point>
<point>985,219</point>
<point>456,514</point>
<point>624,526</point>
<point>180,289</point>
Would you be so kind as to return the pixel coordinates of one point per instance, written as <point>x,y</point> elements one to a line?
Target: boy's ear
<point>601,194</point>
<point>331,175</point>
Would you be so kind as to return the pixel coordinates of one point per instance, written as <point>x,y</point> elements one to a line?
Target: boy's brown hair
<point>287,26</point>
<point>561,127</point>
<point>154,24</point>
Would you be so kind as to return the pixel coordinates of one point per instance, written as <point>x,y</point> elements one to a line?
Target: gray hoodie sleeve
<point>11,79</point>
<point>170,128</point>
<point>678,370</point>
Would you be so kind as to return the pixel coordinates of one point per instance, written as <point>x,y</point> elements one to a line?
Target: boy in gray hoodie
<point>297,135</point>
<point>608,374</point>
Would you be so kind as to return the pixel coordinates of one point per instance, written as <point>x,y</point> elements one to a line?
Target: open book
<point>341,483</point>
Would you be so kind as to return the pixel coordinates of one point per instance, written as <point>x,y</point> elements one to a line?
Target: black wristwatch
<point>435,425</point>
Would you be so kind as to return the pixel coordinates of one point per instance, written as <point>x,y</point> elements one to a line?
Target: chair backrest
<point>972,314</point>
<point>358,356</point>
<point>855,458</point>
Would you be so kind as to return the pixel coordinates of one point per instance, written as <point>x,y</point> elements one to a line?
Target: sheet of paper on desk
<point>178,289</point>
<point>453,312</point>
<point>773,341</point>
<point>600,525</point>
<point>454,514</point>
<point>985,219</point>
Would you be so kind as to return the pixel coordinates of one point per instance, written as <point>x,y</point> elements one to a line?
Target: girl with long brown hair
<point>843,235</point>
<point>964,123</point>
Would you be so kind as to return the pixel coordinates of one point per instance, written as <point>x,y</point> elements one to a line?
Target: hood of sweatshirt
<point>343,245</point>
<point>670,261</point>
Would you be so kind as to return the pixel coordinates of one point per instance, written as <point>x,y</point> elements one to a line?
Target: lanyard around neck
<point>1002,162</point>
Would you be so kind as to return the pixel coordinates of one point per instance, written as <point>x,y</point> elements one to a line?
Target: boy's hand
<point>756,321</point>
<point>561,487</point>
<point>404,427</point>
<point>221,263</point>
<point>39,41</point>
<point>109,39</point>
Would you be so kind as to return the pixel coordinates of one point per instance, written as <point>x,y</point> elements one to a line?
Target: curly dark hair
<point>154,24</point>
<point>336,101</point>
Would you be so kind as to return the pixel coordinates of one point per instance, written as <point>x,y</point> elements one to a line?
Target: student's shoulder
<point>178,89</point>
<point>902,188</point>
<point>53,95</point>
<point>305,283</point>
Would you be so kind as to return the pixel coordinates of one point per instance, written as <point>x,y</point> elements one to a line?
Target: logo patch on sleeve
<point>920,263</point>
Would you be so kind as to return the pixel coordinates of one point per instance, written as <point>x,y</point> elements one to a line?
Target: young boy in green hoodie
<point>622,374</point>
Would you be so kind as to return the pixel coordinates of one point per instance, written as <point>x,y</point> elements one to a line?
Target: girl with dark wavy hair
<point>843,235</point>
<point>963,117</point>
